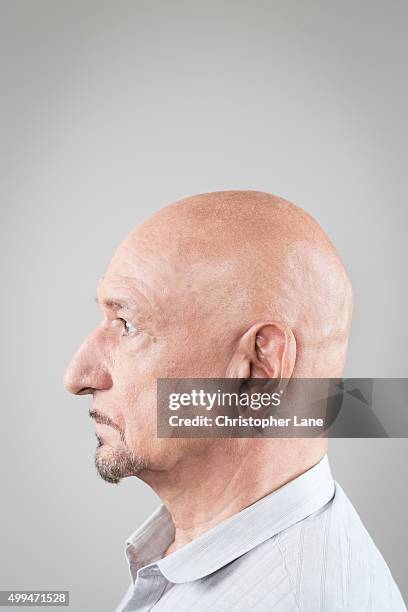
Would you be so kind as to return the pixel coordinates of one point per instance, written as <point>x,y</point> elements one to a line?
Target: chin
<point>113,464</point>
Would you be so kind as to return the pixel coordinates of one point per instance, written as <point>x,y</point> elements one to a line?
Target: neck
<point>229,477</point>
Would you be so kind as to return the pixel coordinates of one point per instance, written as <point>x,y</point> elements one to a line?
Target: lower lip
<point>104,431</point>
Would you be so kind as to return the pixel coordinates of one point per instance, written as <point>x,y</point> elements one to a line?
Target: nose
<point>88,369</point>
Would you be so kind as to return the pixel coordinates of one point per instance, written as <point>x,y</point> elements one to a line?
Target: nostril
<point>85,391</point>
<point>71,384</point>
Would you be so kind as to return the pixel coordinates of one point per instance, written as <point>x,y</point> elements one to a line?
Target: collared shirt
<point>301,548</point>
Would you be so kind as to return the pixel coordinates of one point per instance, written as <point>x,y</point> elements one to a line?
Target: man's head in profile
<point>236,285</point>
<point>229,284</point>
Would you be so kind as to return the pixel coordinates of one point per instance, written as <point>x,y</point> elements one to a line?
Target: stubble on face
<point>114,463</point>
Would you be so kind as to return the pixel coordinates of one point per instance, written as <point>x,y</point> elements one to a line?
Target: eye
<point>128,328</point>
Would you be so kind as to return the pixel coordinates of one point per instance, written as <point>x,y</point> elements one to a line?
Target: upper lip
<point>102,419</point>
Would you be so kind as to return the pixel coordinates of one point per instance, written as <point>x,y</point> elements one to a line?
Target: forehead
<point>141,272</point>
<point>154,269</point>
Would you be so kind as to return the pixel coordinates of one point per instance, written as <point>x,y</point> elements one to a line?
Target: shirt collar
<point>233,537</point>
<point>150,541</point>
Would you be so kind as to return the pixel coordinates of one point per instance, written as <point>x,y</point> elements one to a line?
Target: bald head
<point>230,259</point>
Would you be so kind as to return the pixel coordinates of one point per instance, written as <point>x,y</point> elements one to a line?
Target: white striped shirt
<point>301,548</point>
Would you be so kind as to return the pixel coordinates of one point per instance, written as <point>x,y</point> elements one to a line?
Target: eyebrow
<point>113,304</point>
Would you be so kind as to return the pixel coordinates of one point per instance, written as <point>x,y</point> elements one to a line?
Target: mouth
<point>99,439</point>
<point>102,419</point>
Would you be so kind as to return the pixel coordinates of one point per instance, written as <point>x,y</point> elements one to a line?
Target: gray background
<point>111,110</point>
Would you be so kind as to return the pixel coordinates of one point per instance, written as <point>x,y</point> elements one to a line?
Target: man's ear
<point>266,350</point>
<point>275,352</point>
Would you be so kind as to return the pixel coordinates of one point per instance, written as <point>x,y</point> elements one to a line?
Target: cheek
<point>141,419</point>
<point>134,386</point>
<point>201,353</point>
<point>139,362</point>
<point>135,399</point>
<point>135,358</point>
